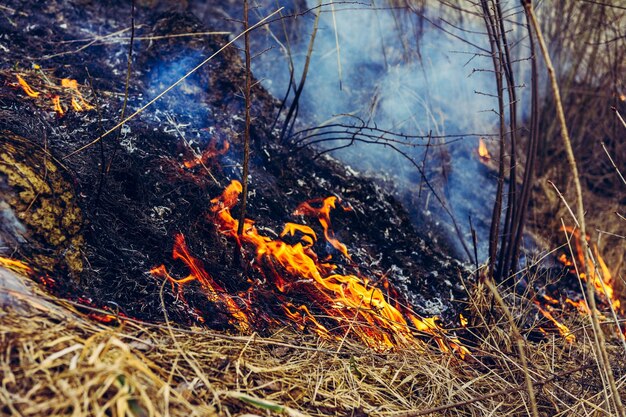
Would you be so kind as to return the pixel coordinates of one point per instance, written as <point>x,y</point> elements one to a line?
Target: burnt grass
<point>135,194</point>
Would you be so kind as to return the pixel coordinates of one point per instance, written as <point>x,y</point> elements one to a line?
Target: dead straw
<point>54,361</point>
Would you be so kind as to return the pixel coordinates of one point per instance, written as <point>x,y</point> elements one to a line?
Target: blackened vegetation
<point>135,194</point>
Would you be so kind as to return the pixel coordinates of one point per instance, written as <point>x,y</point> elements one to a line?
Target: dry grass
<point>54,361</point>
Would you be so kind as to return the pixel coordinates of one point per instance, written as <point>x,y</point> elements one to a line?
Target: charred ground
<point>132,189</point>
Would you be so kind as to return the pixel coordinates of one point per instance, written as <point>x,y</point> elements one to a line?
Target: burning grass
<point>57,362</point>
<point>50,92</point>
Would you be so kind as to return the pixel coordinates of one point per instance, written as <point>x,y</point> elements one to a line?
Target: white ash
<point>128,144</point>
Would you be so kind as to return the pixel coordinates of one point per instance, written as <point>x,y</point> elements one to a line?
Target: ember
<point>210,153</point>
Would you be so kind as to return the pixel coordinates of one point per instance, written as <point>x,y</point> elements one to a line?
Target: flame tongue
<point>211,152</point>
<point>601,277</point>
<point>27,88</point>
<point>483,152</point>
<point>78,102</point>
<point>323,216</point>
<point>349,301</point>
<point>67,90</point>
<point>211,289</point>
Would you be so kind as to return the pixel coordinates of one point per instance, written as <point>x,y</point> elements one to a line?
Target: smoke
<point>401,72</point>
<point>173,111</point>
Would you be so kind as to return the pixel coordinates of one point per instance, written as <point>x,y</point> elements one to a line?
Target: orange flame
<point>579,305</point>
<point>211,289</point>
<point>74,95</point>
<point>209,153</point>
<point>78,102</point>
<point>601,280</point>
<point>563,329</point>
<point>56,102</point>
<point>349,300</point>
<point>483,152</point>
<point>323,216</point>
<point>27,89</point>
<point>601,277</point>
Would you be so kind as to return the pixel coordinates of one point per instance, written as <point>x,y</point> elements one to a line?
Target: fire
<point>214,292</point>
<point>601,280</point>
<point>483,152</point>
<point>323,216</point>
<point>67,89</point>
<point>211,152</point>
<point>27,89</point>
<point>579,305</point>
<point>546,311</point>
<point>56,102</point>
<point>15,265</point>
<point>601,277</point>
<point>351,302</point>
<point>78,102</point>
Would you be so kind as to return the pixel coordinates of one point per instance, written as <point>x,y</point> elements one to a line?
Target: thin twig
<point>334,14</point>
<point>613,163</point>
<point>619,116</point>
<point>290,118</point>
<point>246,138</point>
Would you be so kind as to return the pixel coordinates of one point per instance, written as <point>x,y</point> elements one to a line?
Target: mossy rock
<point>43,201</point>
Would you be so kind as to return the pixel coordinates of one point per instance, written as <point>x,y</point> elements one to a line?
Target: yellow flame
<point>78,102</point>
<point>14,265</point>
<point>56,102</point>
<point>348,299</point>
<point>27,89</point>
<point>483,152</point>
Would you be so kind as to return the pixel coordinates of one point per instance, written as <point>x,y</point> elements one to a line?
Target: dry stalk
<point>160,368</point>
<point>332,9</point>
<point>596,271</point>
<point>613,163</point>
<point>519,341</point>
<point>490,395</point>
<point>497,60</point>
<point>619,116</point>
<point>246,139</point>
<point>531,151</point>
<point>580,211</point>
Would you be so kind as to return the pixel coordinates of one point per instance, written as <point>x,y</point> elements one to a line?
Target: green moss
<point>44,201</point>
